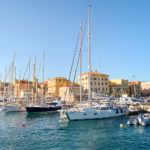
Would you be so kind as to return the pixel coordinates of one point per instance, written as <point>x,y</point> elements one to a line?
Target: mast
<point>15,96</point>
<point>29,79</point>
<point>43,77</point>
<point>33,89</point>
<point>4,94</point>
<point>13,76</point>
<point>80,63</point>
<point>89,44</point>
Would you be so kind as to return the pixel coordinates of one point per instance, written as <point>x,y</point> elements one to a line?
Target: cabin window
<point>84,114</point>
<point>95,113</point>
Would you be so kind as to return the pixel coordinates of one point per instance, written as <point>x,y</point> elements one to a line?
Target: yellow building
<point>54,84</point>
<point>99,82</point>
<point>121,82</point>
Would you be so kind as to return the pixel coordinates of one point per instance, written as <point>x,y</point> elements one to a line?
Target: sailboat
<point>12,105</point>
<point>43,107</point>
<point>94,111</point>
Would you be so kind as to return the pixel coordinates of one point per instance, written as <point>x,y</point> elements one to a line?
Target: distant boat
<point>142,119</point>
<point>13,107</point>
<point>44,107</point>
<point>10,104</point>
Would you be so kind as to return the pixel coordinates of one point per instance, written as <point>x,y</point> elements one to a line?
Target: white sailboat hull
<point>14,108</point>
<point>97,114</point>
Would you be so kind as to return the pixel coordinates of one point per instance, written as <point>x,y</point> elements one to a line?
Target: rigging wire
<point>78,60</point>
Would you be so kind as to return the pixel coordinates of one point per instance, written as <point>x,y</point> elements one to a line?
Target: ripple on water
<point>46,132</point>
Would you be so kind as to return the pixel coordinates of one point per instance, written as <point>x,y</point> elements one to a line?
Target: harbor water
<point>46,132</point>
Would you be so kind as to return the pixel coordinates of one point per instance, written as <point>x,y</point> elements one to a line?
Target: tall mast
<point>43,77</point>
<point>33,88</point>
<point>15,96</point>
<point>80,63</point>
<point>89,92</point>
<point>13,75</point>
<point>29,78</point>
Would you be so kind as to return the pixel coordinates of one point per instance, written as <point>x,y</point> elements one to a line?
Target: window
<point>95,83</point>
<point>98,83</point>
<point>102,83</point>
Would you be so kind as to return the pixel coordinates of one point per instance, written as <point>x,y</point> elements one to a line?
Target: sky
<point>120,36</point>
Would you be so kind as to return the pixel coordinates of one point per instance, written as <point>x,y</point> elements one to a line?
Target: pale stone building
<point>69,94</point>
<point>145,88</point>
<point>99,82</point>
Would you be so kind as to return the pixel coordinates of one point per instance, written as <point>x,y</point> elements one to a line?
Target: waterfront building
<point>121,82</point>
<point>54,84</point>
<point>115,89</point>
<point>69,93</point>
<point>145,88</point>
<point>99,82</point>
<point>42,89</point>
<point>4,88</point>
<point>23,89</point>
<point>134,88</point>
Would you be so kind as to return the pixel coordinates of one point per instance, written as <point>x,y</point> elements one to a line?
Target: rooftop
<point>95,73</point>
<point>133,82</point>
